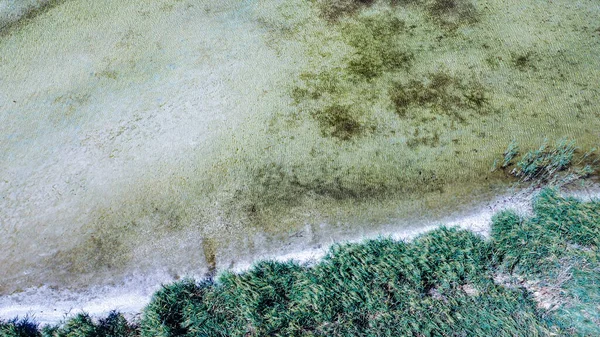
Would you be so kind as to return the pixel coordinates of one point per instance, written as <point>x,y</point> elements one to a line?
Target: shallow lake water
<point>153,140</point>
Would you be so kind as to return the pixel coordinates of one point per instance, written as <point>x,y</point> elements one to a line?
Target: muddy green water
<point>184,137</point>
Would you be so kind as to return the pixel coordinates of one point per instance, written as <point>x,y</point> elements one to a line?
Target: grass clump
<point>510,153</point>
<point>20,327</point>
<point>545,163</point>
<point>554,254</point>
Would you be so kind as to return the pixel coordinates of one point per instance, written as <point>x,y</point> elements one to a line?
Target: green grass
<point>549,164</point>
<point>24,327</point>
<point>82,325</point>
<point>447,282</point>
<point>557,250</point>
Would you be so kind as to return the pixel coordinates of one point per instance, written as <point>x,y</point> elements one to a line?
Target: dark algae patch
<point>535,276</point>
<point>443,94</point>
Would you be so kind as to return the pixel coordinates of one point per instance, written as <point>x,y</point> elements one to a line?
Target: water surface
<point>184,137</point>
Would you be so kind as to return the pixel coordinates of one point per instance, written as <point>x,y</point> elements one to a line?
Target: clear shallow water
<point>12,11</point>
<point>161,138</point>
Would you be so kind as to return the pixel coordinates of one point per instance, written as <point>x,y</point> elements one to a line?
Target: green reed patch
<point>555,252</point>
<point>445,283</point>
<point>560,228</point>
<point>82,325</point>
<point>546,163</point>
<point>23,327</point>
<point>362,289</point>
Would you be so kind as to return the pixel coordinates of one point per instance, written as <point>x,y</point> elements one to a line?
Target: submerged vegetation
<point>535,276</point>
<point>378,85</point>
<point>446,12</point>
<point>441,93</point>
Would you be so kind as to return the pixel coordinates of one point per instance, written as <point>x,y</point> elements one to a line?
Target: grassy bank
<point>535,276</point>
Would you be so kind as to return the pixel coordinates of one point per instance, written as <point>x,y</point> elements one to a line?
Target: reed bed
<point>535,276</point>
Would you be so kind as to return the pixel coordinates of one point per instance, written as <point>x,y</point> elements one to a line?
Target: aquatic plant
<point>338,121</point>
<point>334,9</point>
<point>523,61</point>
<point>333,96</point>
<point>19,327</point>
<point>441,93</point>
<point>378,46</point>
<point>452,13</point>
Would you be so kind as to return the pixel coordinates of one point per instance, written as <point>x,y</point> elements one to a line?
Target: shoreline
<point>50,306</point>
<point>14,13</point>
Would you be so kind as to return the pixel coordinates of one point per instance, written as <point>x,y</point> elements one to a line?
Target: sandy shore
<point>50,306</point>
